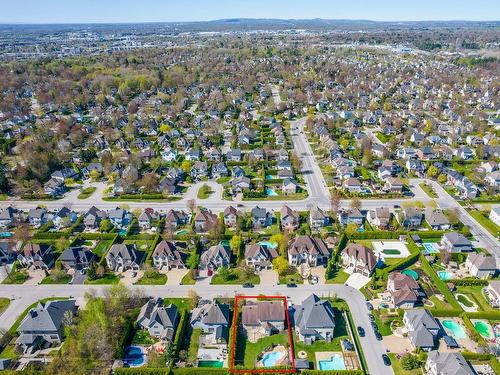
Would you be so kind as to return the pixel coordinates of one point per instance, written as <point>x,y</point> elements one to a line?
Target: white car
<point>314,280</point>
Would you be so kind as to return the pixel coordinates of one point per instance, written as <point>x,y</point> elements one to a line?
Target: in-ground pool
<point>216,364</point>
<point>391,251</point>
<point>336,362</point>
<point>134,356</point>
<point>181,232</point>
<point>430,248</point>
<point>122,232</point>
<point>483,329</point>
<point>269,177</point>
<point>457,331</point>
<point>271,193</point>
<point>270,359</point>
<point>5,234</point>
<point>269,244</point>
<point>445,275</point>
<point>413,274</point>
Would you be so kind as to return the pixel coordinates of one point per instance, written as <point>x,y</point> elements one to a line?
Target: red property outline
<point>232,370</point>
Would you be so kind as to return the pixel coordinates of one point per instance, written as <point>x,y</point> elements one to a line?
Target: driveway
<point>269,277</point>
<point>78,278</point>
<point>128,279</point>
<point>3,271</point>
<point>175,276</point>
<point>319,272</point>
<point>397,344</point>
<point>357,281</point>
<point>35,277</point>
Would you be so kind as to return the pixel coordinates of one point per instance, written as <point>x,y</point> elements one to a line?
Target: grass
<point>204,192</point>
<point>383,323</point>
<point>464,301</point>
<point>87,192</point>
<point>483,219</point>
<point>16,277</point>
<point>293,278</point>
<point>108,278</point>
<point>193,345</point>
<point>65,279</point>
<point>101,248</point>
<point>236,276</point>
<point>339,277</point>
<point>4,304</point>
<point>474,293</point>
<point>142,337</point>
<point>396,366</point>
<point>188,279</point>
<point>428,190</point>
<point>383,137</point>
<point>153,279</point>
<point>252,350</point>
<point>181,303</point>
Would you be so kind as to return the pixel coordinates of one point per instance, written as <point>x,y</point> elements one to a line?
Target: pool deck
<point>380,246</point>
<point>326,356</point>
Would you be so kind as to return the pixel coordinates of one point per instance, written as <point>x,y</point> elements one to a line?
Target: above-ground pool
<point>134,356</point>
<point>5,234</point>
<point>216,364</point>
<point>483,329</point>
<point>270,359</point>
<point>430,248</point>
<point>271,193</point>
<point>269,244</point>
<point>457,331</point>
<point>413,274</point>
<point>336,362</point>
<point>445,275</point>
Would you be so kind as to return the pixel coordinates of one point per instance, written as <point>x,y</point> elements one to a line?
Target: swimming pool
<point>269,177</point>
<point>483,329</point>
<point>336,362</point>
<point>270,359</point>
<point>134,356</point>
<point>122,232</point>
<point>445,275</point>
<point>271,193</point>
<point>457,331</point>
<point>430,248</point>
<point>214,364</point>
<point>413,274</point>
<point>5,234</point>
<point>269,244</point>
<point>181,232</point>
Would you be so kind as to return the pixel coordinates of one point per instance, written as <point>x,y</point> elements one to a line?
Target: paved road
<point>373,349</point>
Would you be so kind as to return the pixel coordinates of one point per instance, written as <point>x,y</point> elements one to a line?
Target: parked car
<point>372,318</point>
<point>291,285</point>
<point>247,285</point>
<point>386,359</point>
<point>361,331</point>
<point>134,274</point>
<point>314,280</point>
<point>369,306</point>
<point>378,336</point>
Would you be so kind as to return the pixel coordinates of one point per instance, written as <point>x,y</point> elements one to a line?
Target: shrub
<point>410,362</point>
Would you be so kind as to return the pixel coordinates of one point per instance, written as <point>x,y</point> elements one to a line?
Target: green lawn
<point>101,248</point>
<point>188,279</point>
<point>398,370</point>
<point>474,293</point>
<point>108,278</point>
<point>383,138</point>
<point>193,345</point>
<point>428,190</point>
<point>204,192</point>
<point>339,277</point>
<point>483,219</point>
<point>142,337</point>
<point>16,277</point>
<point>158,279</point>
<point>181,303</point>
<point>236,276</point>
<point>87,192</point>
<point>4,304</point>
<point>50,280</point>
<point>293,278</point>
<point>252,350</point>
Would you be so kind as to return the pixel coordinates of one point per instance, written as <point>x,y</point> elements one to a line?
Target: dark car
<point>372,318</point>
<point>361,331</point>
<point>378,336</point>
<point>369,306</point>
<point>291,285</point>
<point>247,285</point>
<point>386,359</point>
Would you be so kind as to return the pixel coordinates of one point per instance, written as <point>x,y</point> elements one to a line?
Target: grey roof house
<point>160,321</point>
<point>76,258</point>
<point>314,320</point>
<point>422,328</point>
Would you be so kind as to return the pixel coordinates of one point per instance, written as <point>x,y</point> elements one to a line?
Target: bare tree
<point>191,205</point>
<point>335,203</point>
<point>355,203</point>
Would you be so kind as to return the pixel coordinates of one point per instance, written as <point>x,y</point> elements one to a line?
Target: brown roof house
<point>405,291</point>
<point>167,256</point>
<point>36,256</point>
<point>289,219</point>
<point>379,217</point>
<point>357,258</point>
<point>310,250</point>
<point>204,221</point>
<point>259,256</point>
<point>263,318</point>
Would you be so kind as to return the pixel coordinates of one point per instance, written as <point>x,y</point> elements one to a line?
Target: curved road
<point>25,295</point>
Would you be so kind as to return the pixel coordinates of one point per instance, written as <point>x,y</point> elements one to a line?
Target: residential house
<point>230,216</point>
<point>495,215</point>
<point>437,220</point>
<point>123,257</point>
<point>64,217</point>
<point>37,217</point>
<point>455,242</point>
<point>76,258</point>
<point>357,258</point>
<point>7,254</point>
<point>404,290</point>
<point>309,250</point>
<point>261,218</point>
<point>166,255</point>
<point>147,218</point>
<point>161,321</point>
<point>422,328</point>
<point>199,170</point>
<point>318,218</point>
<point>444,363</point>
<point>44,324</point>
<point>410,217</point>
<point>239,184</point>
<point>314,320</point>
<point>289,219</point>
<point>353,185</point>
<point>393,185</point>
<point>492,292</point>
<point>213,319</point>
<point>175,218</point>
<point>380,217</point>
<point>204,221</point>
<point>289,186</point>
<point>36,256</point>
<point>120,218</point>
<point>263,318</point>
<point>350,215</point>
<point>260,256</point>
<point>93,217</point>
<point>481,265</point>
<point>9,217</point>
<point>215,257</point>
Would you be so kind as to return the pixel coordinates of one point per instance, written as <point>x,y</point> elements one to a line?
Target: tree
<point>351,228</point>
<point>4,187</point>
<point>106,225</point>
<point>224,273</point>
<point>191,205</point>
<point>442,178</point>
<point>280,264</point>
<point>432,171</point>
<point>355,203</point>
<point>193,261</point>
<point>193,297</point>
<point>235,244</point>
<point>22,233</point>
<point>410,362</point>
<point>335,203</point>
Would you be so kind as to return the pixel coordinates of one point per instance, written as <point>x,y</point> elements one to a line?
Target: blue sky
<point>75,11</point>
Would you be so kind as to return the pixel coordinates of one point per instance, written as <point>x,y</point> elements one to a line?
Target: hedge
<point>179,334</point>
<point>473,334</point>
<point>333,372</point>
<point>445,312</point>
<point>98,236</point>
<point>199,370</point>
<point>493,362</point>
<point>469,281</point>
<point>490,315</point>
<point>141,371</point>
<point>50,235</point>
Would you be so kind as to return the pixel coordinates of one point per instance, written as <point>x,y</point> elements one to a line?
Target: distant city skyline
<point>129,11</point>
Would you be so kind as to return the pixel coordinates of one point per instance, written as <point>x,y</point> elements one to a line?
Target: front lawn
<point>339,277</point>
<point>151,278</point>
<point>234,276</point>
<point>398,369</point>
<point>293,278</point>
<point>108,278</point>
<point>4,304</point>
<point>193,345</point>
<point>188,279</point>
<point>16,277</point>
<point>87,192</point>
<point>483,219</point>
<point>428,190</point>
<point>204,192</point>
<point>64,279</point>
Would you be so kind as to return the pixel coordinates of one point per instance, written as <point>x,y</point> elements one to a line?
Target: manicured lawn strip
<point>482,218</point>
<point>108,278</point>
<point>293,278</point>
<point>193,345</point>
<point>428,190</point>
<point>396,366</point>
<point>181,303</point>
<point>188,279</point>
<point>87,192</point>
<point>16,277</point>
<point>252,350</point>
<point>101,248</point>
<point>339,277</point>
<point>236,276</point>
<point>204,192</point>
<point>464,301</point>
<point>160,279</point>
<point>362,358</point>
<point>50,280</point>
<point>4,304</point>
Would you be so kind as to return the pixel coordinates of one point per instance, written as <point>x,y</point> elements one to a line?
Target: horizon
<point>54,12</point>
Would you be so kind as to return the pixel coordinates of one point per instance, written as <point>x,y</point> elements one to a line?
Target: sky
<point>116,11</point>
